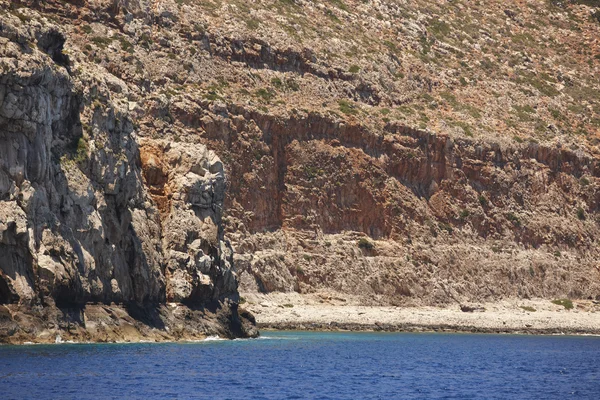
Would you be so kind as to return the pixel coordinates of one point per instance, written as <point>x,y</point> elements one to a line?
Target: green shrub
<point>483,200</point>
<point>82,150</point>
<point>580,213</point>
<point>101,42</point>
<point>566,303</point>
<point>264,94</point>
<point>292,84</point>
<point>252,24</point>
<point>277,82</point>
<point>125,44</point>
<point>354,69</point>
<point>527,308</point>
<point>514,219</point>
<point>347,108</point>
<point>366,244</point>
<point>446,227</point>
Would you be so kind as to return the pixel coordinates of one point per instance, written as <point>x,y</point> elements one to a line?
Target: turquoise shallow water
<point>308,365</point>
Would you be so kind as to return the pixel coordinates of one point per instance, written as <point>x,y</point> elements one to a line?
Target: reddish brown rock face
<point>448,219</point>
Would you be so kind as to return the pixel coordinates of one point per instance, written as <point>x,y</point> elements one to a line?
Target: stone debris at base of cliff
<point>334,311</point>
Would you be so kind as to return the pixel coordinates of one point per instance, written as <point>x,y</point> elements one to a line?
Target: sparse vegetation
<point>264,94</point>
<point>528,308</point>
<point>557,254</point>
<point>102,42</point>
<point>512,217</point>
<point>483,200</point>
<point>446,227</point>
<point>566,303</point>
<point>347,108</point>
<point>365,244</point>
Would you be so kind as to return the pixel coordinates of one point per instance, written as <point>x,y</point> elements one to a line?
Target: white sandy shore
<point>316,312</point>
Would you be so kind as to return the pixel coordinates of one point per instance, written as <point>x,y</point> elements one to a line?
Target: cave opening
<point>52,43</point>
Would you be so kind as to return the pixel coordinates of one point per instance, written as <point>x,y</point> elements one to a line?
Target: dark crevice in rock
<point>148,314</point>
<point>6,296</point>
<point>52,43</point>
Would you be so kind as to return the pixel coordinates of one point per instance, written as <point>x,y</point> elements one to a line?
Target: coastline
<point>331,312</point>
<point>118,323</point>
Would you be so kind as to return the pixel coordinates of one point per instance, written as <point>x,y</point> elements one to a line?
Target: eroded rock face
<point>410,217</point>
<point>313,109</point>
<point>84,233</point>
<point>188,181</point>
<point>78,222</point>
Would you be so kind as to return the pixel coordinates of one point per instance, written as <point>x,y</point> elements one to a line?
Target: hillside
<point>405,153</point>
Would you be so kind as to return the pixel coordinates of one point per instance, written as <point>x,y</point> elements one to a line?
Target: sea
<point>310,365</point>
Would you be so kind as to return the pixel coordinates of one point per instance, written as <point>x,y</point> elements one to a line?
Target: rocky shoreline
<point>333,313</point>
<point>118,323</point>
<point>410,328</point>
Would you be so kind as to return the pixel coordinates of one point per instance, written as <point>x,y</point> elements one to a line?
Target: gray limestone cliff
<point>84,247</point>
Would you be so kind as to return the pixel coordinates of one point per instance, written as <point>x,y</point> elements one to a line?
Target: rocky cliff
<point>401,152</point>
<point>87,241</point>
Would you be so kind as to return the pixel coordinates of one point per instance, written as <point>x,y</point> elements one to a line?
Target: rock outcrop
<point>78,222</point>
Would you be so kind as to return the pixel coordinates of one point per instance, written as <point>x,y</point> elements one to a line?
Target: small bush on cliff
<point>566,303</point>
<point>483,200</point>
<point>82,150</point>
<point>365,244</point>
<point>102,42</point>
<point>446,227</point>
<point>527,308</point>
<point>557,254</point>
<point>264,94</point>
<point>580,213</point>
<point>347,108</point>
<point>278,83</point>
<point>514,219</point>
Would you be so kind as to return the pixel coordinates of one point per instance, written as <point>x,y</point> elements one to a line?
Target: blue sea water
<point>308,365</point>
